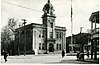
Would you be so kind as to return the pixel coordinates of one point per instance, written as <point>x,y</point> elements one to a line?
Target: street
<point>44,59</point>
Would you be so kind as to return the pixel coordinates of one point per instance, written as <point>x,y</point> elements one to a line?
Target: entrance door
<point>51,47</point>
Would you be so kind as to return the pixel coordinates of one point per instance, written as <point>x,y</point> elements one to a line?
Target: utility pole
<point>80,40</point>
<point>25,35</point>
<point>19,41</point>
<point>71,28</point>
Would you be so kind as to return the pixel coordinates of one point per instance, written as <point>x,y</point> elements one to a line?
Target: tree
<point>12,24</point>
<point>7,34</point>
<point>5,37</point>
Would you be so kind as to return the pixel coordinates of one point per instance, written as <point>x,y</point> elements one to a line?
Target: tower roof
<point>48,6</point>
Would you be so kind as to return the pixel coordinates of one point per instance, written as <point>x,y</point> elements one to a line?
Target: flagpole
<point>71,28</point>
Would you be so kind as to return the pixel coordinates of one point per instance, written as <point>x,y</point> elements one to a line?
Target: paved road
<point>43,59</point>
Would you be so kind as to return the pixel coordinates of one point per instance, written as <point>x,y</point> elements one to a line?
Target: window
<point>57,47</point>
<point>40,34</point>
<point>57,35</point>
<point>42,46</point>
<point>51,25</point>
<point>60,46</point>
<point>60,35</point>
<point>51,34</point>
<point>39,46</point>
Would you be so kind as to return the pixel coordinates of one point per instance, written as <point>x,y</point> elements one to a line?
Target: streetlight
<point>25,35</point>
<point>81,48</point>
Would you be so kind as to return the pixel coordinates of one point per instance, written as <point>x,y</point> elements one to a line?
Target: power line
<point>26,7</point>
<point>22,6</point>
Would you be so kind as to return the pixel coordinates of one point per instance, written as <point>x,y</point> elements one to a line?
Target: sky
<point>32,11</point>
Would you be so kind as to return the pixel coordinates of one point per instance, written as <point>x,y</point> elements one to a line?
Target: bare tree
<point>7,33</point>
<point>12,24</point>
<point>5,37</point>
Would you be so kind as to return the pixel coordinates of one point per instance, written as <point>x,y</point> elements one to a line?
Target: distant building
<point>94,18</point>
<point>44,37</point>
<point>78,39</point>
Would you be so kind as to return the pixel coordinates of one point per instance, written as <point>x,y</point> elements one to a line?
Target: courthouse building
<point>45,37</point>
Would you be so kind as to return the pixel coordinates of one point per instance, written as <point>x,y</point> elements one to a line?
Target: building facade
<point>94,19</point>
<point>44,38</point>
<point>78,40</point>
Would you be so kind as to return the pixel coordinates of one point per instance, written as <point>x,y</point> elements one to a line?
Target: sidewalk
<point>86,59</point>
<point>47,59</point>
<point>92,61</point>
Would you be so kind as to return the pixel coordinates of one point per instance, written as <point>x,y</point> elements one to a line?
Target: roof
<point>36,25</point>
<point>75,35</point>
<point>60,28</point>
<point>93,16</point>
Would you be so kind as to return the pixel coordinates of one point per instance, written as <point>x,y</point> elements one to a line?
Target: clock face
<point>51,20</point>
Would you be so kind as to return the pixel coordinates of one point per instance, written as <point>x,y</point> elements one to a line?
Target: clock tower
<point>48,19</point>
